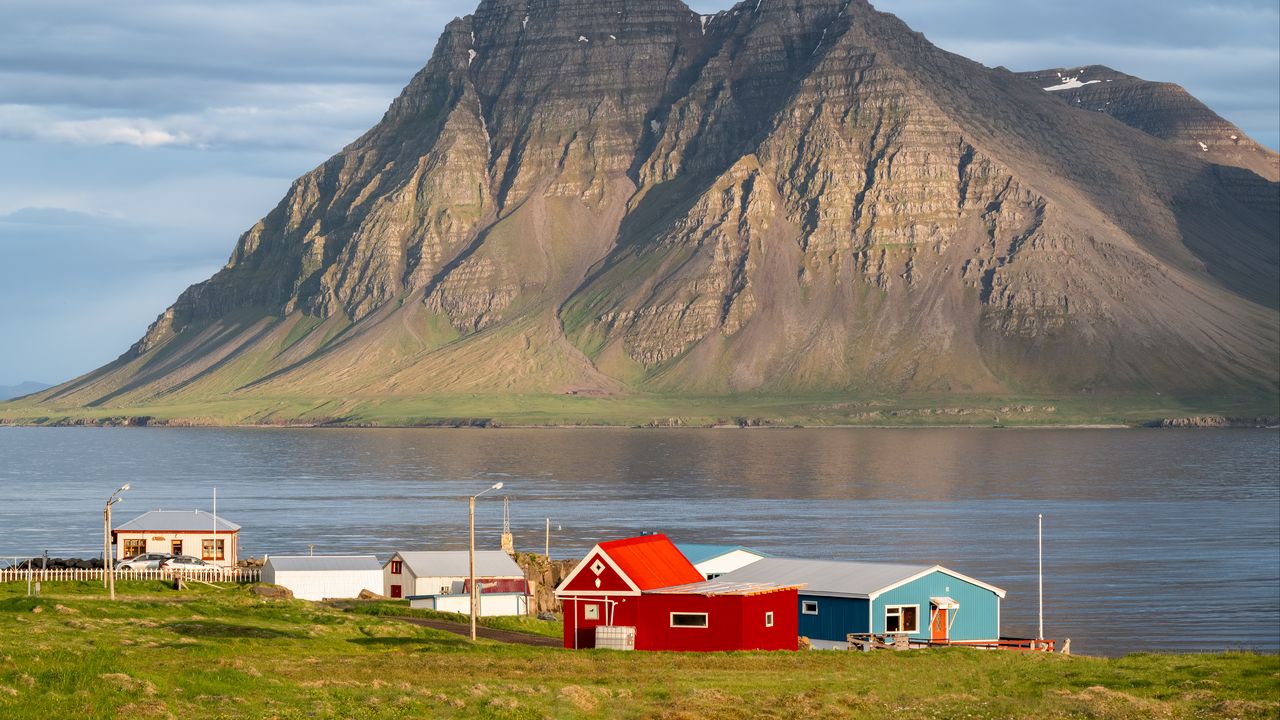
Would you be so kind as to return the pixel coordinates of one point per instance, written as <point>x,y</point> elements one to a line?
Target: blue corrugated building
<point>924,602</point>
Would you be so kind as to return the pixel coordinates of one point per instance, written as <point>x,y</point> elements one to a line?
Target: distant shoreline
<point>1232,424</point>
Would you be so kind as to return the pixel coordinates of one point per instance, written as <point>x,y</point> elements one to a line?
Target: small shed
<point>923,602</point>
<point>213,539</point>
<point>716,560</point>
<point>440,580</point>
<point>323,577</point>
<point>645,586</point>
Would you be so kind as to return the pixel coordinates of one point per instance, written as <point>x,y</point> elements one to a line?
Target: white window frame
<point>706,621</point>
<point>768,619</point>
<point>805,605</point>
<point>912,631</point>
<point>591,611</point>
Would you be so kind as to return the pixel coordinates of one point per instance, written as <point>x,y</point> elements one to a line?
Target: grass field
<point>648,409</point>
<point>225,653</point>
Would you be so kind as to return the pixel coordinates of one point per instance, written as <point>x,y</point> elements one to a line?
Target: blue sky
<point>139,139</point>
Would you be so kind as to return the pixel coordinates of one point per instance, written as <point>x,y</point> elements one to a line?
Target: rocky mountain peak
<point>786,196</point>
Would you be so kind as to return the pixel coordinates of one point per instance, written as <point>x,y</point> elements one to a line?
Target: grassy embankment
<point>646,409</point>
<point>227,654</point>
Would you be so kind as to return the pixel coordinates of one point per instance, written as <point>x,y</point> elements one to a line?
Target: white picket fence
<point>236,575</point>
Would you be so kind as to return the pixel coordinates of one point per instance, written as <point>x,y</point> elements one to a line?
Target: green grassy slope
<point>217,654</point>
<point>640,409</point>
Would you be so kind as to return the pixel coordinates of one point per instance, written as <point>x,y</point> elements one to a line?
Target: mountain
<point>1164,110</point>
<point>792,198</point>
<point>23,388</point>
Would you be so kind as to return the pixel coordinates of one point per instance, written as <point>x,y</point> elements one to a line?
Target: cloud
<point>118,131</point>
<point>77,288</point>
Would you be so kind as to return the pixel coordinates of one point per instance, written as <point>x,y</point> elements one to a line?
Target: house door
<point>938,627</point>
<point>396,591</point>
<point>176,547</point>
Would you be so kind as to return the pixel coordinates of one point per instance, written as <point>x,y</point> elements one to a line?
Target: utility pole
<point>106,541</point>
<point>547,549</point>
<point>109,566</point>
<point>471,521</point>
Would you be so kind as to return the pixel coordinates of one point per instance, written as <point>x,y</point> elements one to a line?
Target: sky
<point>139,139</point>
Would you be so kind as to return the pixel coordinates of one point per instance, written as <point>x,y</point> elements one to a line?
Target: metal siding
<point>836,618</point>
<point>977,619</point>
<point>320,585</point>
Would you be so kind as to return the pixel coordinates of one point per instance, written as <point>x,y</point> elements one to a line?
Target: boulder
<point>271,592</point>
<point>370,595</point>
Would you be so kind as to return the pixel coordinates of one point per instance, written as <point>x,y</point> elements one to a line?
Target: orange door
<point>938,628</point>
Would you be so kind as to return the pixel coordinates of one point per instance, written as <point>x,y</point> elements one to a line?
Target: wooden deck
<point>868,641</point>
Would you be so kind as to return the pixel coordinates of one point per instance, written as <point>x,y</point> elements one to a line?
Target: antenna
<point>508,542</point>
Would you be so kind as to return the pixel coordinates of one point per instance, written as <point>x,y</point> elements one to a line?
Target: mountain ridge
<point>784,197</point>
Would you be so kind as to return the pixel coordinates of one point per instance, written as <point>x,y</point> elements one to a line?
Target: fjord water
<point>1154,539</point>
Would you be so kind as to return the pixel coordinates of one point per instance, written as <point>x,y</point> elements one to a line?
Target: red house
<point>645,583</point>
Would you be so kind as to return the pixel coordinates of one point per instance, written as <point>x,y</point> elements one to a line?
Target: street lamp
<point>108,562</point>
<point>475,594</point>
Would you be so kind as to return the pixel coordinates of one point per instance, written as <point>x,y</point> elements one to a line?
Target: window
<point>809,607</point>
<point>397,566</point>
<point>212,549</point>
<point>768,619</point>
<point>902,619</point>
<point>590,612</point>
<point>396,592</point>
<point>134,548</point>
<point>689,620</point>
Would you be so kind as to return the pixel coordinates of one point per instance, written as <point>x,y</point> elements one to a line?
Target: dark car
<point>188,562</point>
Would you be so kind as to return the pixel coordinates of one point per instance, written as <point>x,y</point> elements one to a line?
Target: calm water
<point>1154,540</point>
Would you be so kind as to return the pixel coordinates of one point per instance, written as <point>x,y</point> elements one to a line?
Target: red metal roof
<point>651,561</point>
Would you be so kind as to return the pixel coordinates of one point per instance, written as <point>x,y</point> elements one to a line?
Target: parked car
<point>145,561</point>
<point>187,562</point>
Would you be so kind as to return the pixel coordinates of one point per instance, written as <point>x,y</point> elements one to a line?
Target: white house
<point>716,560</point>
<point>321,577</point>
<point>439,580</point>
<point>179,532</point>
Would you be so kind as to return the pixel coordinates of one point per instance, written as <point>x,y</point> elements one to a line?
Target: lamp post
<point>475,595</point>
<point>108,562</point>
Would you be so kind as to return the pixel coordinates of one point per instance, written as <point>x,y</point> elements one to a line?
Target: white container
<point>615,637</point>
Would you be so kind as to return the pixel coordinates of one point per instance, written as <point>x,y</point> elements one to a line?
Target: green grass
<point>817,410</point>
<point>225,653</point>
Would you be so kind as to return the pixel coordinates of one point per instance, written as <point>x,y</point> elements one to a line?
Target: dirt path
<point>506,636</point>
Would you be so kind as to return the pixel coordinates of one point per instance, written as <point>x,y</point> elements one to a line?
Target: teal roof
<point>701,552</point>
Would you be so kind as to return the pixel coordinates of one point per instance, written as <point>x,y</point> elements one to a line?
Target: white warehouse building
<point>439,580</point>
<point>322,577</point>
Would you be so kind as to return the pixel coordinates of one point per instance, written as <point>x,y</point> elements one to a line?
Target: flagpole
<point>1040,549</point>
